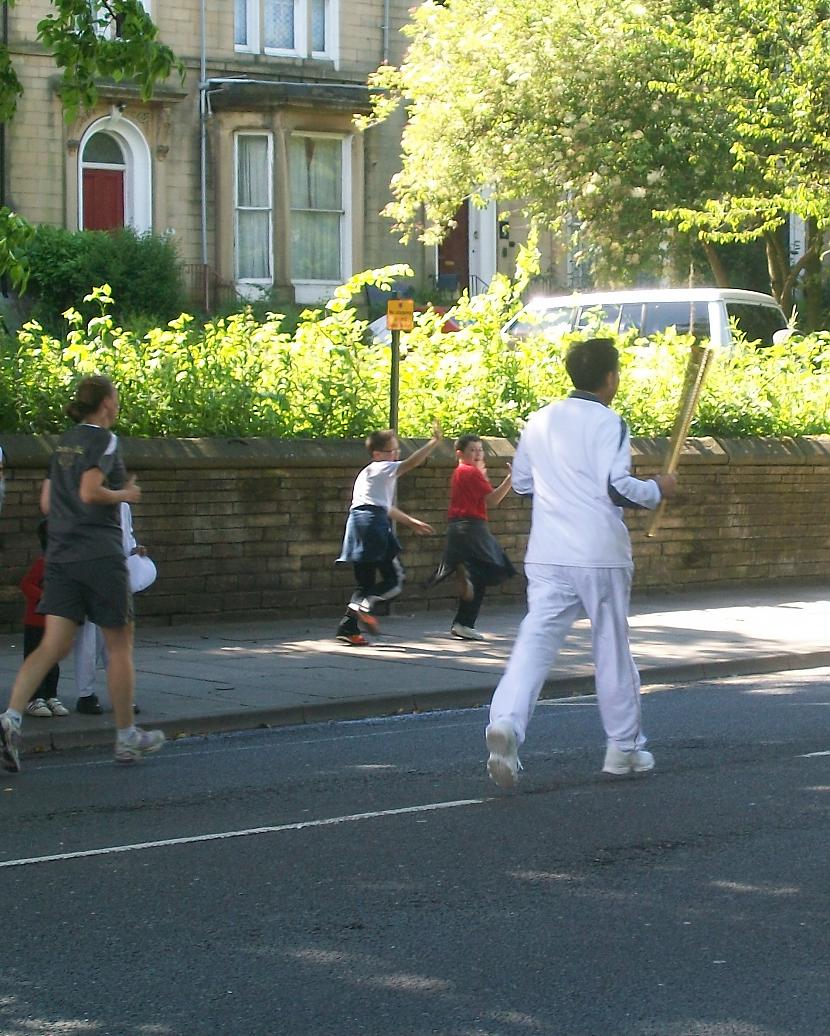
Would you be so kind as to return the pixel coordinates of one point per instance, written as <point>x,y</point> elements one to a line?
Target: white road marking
<point>430,807</point>
<point>813,755</point>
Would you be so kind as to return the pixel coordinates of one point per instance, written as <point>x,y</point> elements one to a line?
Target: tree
<point>610,114</point>
<point>90,40</point>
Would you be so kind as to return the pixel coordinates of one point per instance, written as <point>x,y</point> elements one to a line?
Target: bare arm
<point>418,527</point>
<point>419,456</point>
<point>45,496</point>
<point>93,490</point>
<point>500,492</point>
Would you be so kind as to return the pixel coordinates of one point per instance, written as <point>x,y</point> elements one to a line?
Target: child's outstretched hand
<point>421,528</point>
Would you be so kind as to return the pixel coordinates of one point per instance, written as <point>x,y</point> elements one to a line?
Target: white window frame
<point>252,13</point>
<point>300,48</point>
<point>255,44</point>
<point>256,282</point>
<point>312,290</point>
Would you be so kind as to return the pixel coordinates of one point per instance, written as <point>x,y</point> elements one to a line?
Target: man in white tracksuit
<point>574,458</point>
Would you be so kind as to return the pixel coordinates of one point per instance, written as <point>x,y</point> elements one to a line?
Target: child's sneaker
<point>364,617</point>
<point>38,707</point>
<point>9,745</point>
<point>56,707</point>
<point>142,743</point>
<point>353,639</point>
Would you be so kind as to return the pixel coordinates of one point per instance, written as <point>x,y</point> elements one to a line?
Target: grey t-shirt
<point>78,531</point>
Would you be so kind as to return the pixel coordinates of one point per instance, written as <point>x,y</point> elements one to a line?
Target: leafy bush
<point>142,269</point>
<point>241,376</point>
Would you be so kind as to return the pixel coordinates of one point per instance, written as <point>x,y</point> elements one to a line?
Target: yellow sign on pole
<point>400,314</point>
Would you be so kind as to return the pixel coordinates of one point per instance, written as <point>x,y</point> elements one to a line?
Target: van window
<point>631,317</point>
<point>548,322</point>
<point>758,323</point>
<point>687,317</point>
<point>594,318</point>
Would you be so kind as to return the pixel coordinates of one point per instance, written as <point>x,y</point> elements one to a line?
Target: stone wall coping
<point>33,451</point>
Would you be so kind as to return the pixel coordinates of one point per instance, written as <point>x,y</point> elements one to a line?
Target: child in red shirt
<point>472,552</point>
<point>44,702</point>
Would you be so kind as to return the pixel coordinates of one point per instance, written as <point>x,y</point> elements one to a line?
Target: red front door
<point>454,251</point>
<point>103,199</point>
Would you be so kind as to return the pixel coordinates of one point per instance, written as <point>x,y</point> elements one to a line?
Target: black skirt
<point>470,543</point>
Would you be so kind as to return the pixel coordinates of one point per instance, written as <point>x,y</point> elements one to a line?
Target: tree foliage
<point>631,121</point>
<point>90,41</point>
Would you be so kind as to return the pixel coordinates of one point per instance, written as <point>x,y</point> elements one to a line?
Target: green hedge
<point>241,377</point>
<point>142,270</point>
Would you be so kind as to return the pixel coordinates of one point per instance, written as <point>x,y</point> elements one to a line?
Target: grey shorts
<point>97,590</point>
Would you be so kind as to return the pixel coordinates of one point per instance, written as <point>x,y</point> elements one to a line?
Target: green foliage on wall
<point>238,376</point>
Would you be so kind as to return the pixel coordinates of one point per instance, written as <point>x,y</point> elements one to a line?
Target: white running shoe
<point>465,632</point>
<point>9,745</point>
<point>143,743</point>
<point>620,762</point>
<point>38,707</point>
<point>503,765</point>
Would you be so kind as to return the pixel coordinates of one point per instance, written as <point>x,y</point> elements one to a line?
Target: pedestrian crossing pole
<point>400,316</point>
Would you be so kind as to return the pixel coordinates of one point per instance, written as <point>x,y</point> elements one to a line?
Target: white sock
<point>127,733</point>
<point>15,716</point>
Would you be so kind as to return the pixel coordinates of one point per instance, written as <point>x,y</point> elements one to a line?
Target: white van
<point>704,312</point>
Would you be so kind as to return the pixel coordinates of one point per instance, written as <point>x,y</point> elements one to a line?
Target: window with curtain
<point>317,210</point>
<point>253,207</point>
<point>303,27</point>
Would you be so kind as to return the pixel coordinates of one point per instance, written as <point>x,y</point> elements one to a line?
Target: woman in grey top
<point>86,574</point>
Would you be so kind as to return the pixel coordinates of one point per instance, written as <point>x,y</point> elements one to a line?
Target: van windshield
<point>549,322</point>
<point>757,323</point>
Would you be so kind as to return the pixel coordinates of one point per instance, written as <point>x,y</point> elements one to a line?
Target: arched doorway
<point>114,185</point>
<point>103,168</point>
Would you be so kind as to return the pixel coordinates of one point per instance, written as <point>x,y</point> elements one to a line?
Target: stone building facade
<point>253,165</point>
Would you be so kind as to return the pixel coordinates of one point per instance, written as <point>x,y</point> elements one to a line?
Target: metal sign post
<point>400,316</point>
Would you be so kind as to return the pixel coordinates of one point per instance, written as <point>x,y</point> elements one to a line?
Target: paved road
<point>364,878</point>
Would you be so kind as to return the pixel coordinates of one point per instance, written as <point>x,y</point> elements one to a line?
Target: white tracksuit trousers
<point>558,595</point>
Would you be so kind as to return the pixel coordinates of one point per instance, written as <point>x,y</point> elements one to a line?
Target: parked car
<point>705,312</point>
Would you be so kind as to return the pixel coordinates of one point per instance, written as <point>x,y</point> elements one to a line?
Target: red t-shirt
<point>468,490</point>
<point>32,587</point>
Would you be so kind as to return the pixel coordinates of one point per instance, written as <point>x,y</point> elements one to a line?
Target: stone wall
<point>250,527</point>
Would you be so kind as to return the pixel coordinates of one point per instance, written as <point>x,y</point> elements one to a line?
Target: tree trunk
<point>716,264</point>
<point>811,319</point>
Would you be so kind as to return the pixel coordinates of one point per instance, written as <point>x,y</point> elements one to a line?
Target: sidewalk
<point>193,680</point>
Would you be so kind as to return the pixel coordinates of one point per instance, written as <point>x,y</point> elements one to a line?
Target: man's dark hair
<point>463,441</point>
<point>590,362</point>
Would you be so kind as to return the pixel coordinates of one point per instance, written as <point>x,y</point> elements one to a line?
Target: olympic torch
<point>700,359</point>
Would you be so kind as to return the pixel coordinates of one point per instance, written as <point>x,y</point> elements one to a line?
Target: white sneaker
<point>38,707</point>
<point>465,632</point>
<point>621,762</point>
<point>503,765</point>
<point>143,742</point>
<point>56,707</point>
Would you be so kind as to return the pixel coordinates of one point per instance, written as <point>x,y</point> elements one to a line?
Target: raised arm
<point>419,456</point>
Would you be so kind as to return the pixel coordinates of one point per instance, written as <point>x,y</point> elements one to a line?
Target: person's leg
<point>55,645</point>
<point>364,577</point>
<point>606,594</point>
<point>390,582</point>
<point>120,673</point>
<point>552,608</point>
<point>467,612</point>
<point>85,658</point>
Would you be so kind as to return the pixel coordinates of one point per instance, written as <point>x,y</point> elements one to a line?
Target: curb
<point>563,686</point>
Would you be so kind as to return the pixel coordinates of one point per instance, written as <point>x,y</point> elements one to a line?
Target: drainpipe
<point>385,31</point>
<point>5,32</point>
<point>203,114</point>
